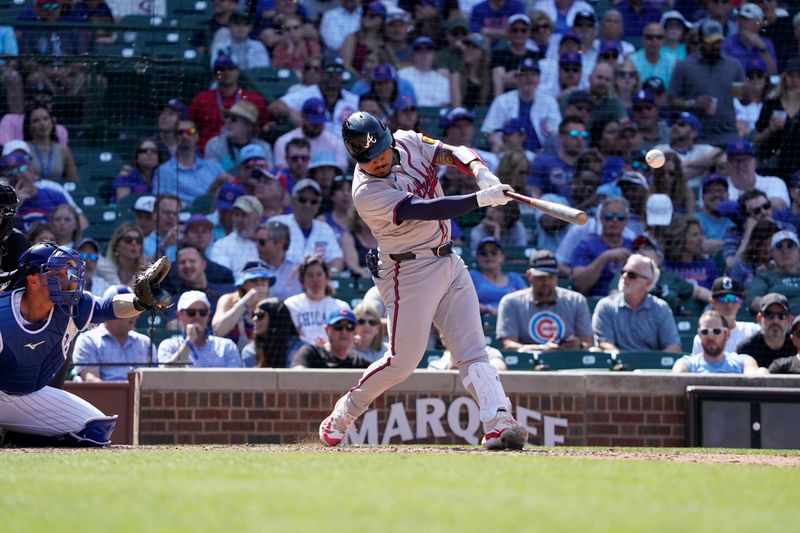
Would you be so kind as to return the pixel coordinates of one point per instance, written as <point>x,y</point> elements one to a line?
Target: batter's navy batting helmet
<point>48,258</point>
<point>8,208</point>
<point>365,136</point>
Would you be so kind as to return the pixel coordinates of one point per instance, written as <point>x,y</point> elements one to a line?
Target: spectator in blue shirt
<point>747,44</point>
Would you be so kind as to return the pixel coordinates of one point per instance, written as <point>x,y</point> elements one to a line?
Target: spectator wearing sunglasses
<point>655,327</point>
<point>713,330</point>
<point>790,364</point>
<point>310,236</point>
<point>748,43</point>
<point>727,297</point>
<point>240,130</point>
<point>338,350</point>
<point>195,347</point>
<point>785,277</point>
<point>313,129</point>
<point>696,158</point>
<point>369,339</point>
<point>773,342</point>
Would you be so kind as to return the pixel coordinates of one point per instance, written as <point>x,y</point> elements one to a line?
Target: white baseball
<point>655,158</point>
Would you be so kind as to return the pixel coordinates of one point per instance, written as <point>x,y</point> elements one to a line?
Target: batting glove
<point>486,178</point>
<point>494,196</point>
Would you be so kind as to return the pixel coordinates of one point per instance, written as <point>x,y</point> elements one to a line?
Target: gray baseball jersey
<point>519,317</point>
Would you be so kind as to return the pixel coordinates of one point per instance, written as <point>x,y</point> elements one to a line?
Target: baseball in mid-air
<point>655,158</point>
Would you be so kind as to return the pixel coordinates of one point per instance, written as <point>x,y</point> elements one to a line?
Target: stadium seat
<point>646,360</point>
<point>574,360</point>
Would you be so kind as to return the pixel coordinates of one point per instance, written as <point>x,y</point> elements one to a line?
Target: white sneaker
<point>504,433</point>
<point>333,429</point>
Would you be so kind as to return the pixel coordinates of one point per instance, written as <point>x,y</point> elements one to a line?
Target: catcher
<point>39,318</point>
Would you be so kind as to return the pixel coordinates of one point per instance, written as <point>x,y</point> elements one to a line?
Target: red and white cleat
<point>334,428</point>
<point>504,433</point>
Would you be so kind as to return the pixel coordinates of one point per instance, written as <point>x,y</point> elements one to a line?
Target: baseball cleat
<point>505,433</point>
<point>334,428</point>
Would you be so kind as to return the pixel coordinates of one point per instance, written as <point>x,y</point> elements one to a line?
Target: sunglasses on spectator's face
<point>775,315</point>
<point>618,216</point>
<point>705,332</point>
<point>342,325</point>
<point>371,322</point>
<point>130,239</point>
<point>766,206</point>
<point>189,132</point>
<point>729,299</point>
<point>192,312</point>
<point>91,257</point>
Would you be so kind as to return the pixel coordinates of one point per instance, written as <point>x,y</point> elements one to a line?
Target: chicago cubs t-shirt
<point>519,317</point>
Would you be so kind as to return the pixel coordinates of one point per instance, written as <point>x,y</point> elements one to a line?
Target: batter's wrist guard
<point>463,156</point>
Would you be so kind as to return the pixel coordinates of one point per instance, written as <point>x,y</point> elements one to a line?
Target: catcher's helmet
<point>8,208</point>
<point>365,136</point>
<point>48,259</point>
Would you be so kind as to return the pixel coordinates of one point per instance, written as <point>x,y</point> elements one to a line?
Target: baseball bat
<point>561,212</point>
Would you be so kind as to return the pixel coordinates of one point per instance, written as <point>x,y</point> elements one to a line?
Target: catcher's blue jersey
<point>31,355</point>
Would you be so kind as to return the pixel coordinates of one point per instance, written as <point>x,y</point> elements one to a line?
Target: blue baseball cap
<point>227,195</point>
<point>255,270</point>
<point>451,116</point>
<point>383,72</point>
<point>513,125</point>
<point>690,119</point>
<point>405,101</point>
<point>314,109</point>
<point>251,151</point>
<point>570,58</point>
<point>740,147</point>
<point>342,314</point>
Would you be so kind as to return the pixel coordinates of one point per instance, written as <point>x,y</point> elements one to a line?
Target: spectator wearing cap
<point>655,327</point>
<point>561,11</point>
<point>309,236</point>
<point>785,278</point>
<point>339,22</point>
<point>747,43</point>
<point>233,316</point>
<point>650,60</point>
<point>186,173</point>
<point>89,249</point>
<point>223,216</point>
<point>675,29</point>
<point>491,282</point>
<point>539,113</point>
<point>240,130</point>
<point>646,117</point>
<point>235,41</point>
<point>237,248</point>
<point>727,297</point>
<point>636,14</point>
<point>776,129</point>
<point>163,240</point>
<point>742,176</point>
<point>340,103</point>
<point>552,172</point>
<point>294,44</point>
<point>713,330</point>
<point>274,335</point>
<point>714,191</point>
<point>137,178</point>
<point>773,341</point>
<point>701,84</point>
<point>505,62</point>
<point>471,86</point>
<point>597,258</point>
<point>273,239</point>
<point>750,98</point>
<point>789,364</point>
<point>338,350</point>
<point>545,317</point>
<point>491,17</point>
<point>459,130</point>
<point>313,129</point>
<point>207,109</point>
<point>112,349</point>
<point>696,158</point>
<point>11,125</point>
<point>431,88</point>
<point>166,134</point>
<point>194,347</point>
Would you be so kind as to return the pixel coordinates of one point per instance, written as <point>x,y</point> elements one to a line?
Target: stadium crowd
<point>249,197</point>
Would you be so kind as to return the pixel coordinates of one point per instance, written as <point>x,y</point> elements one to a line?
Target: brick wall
<point>284,406</point>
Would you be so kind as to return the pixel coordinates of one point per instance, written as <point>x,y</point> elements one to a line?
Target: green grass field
<point>196,489</point>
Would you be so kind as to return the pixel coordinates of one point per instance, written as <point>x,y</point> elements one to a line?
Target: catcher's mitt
<point>149,295</point>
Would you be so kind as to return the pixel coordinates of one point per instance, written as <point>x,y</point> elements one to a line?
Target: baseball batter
<point>397,193</point>
<point>38,321</point>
